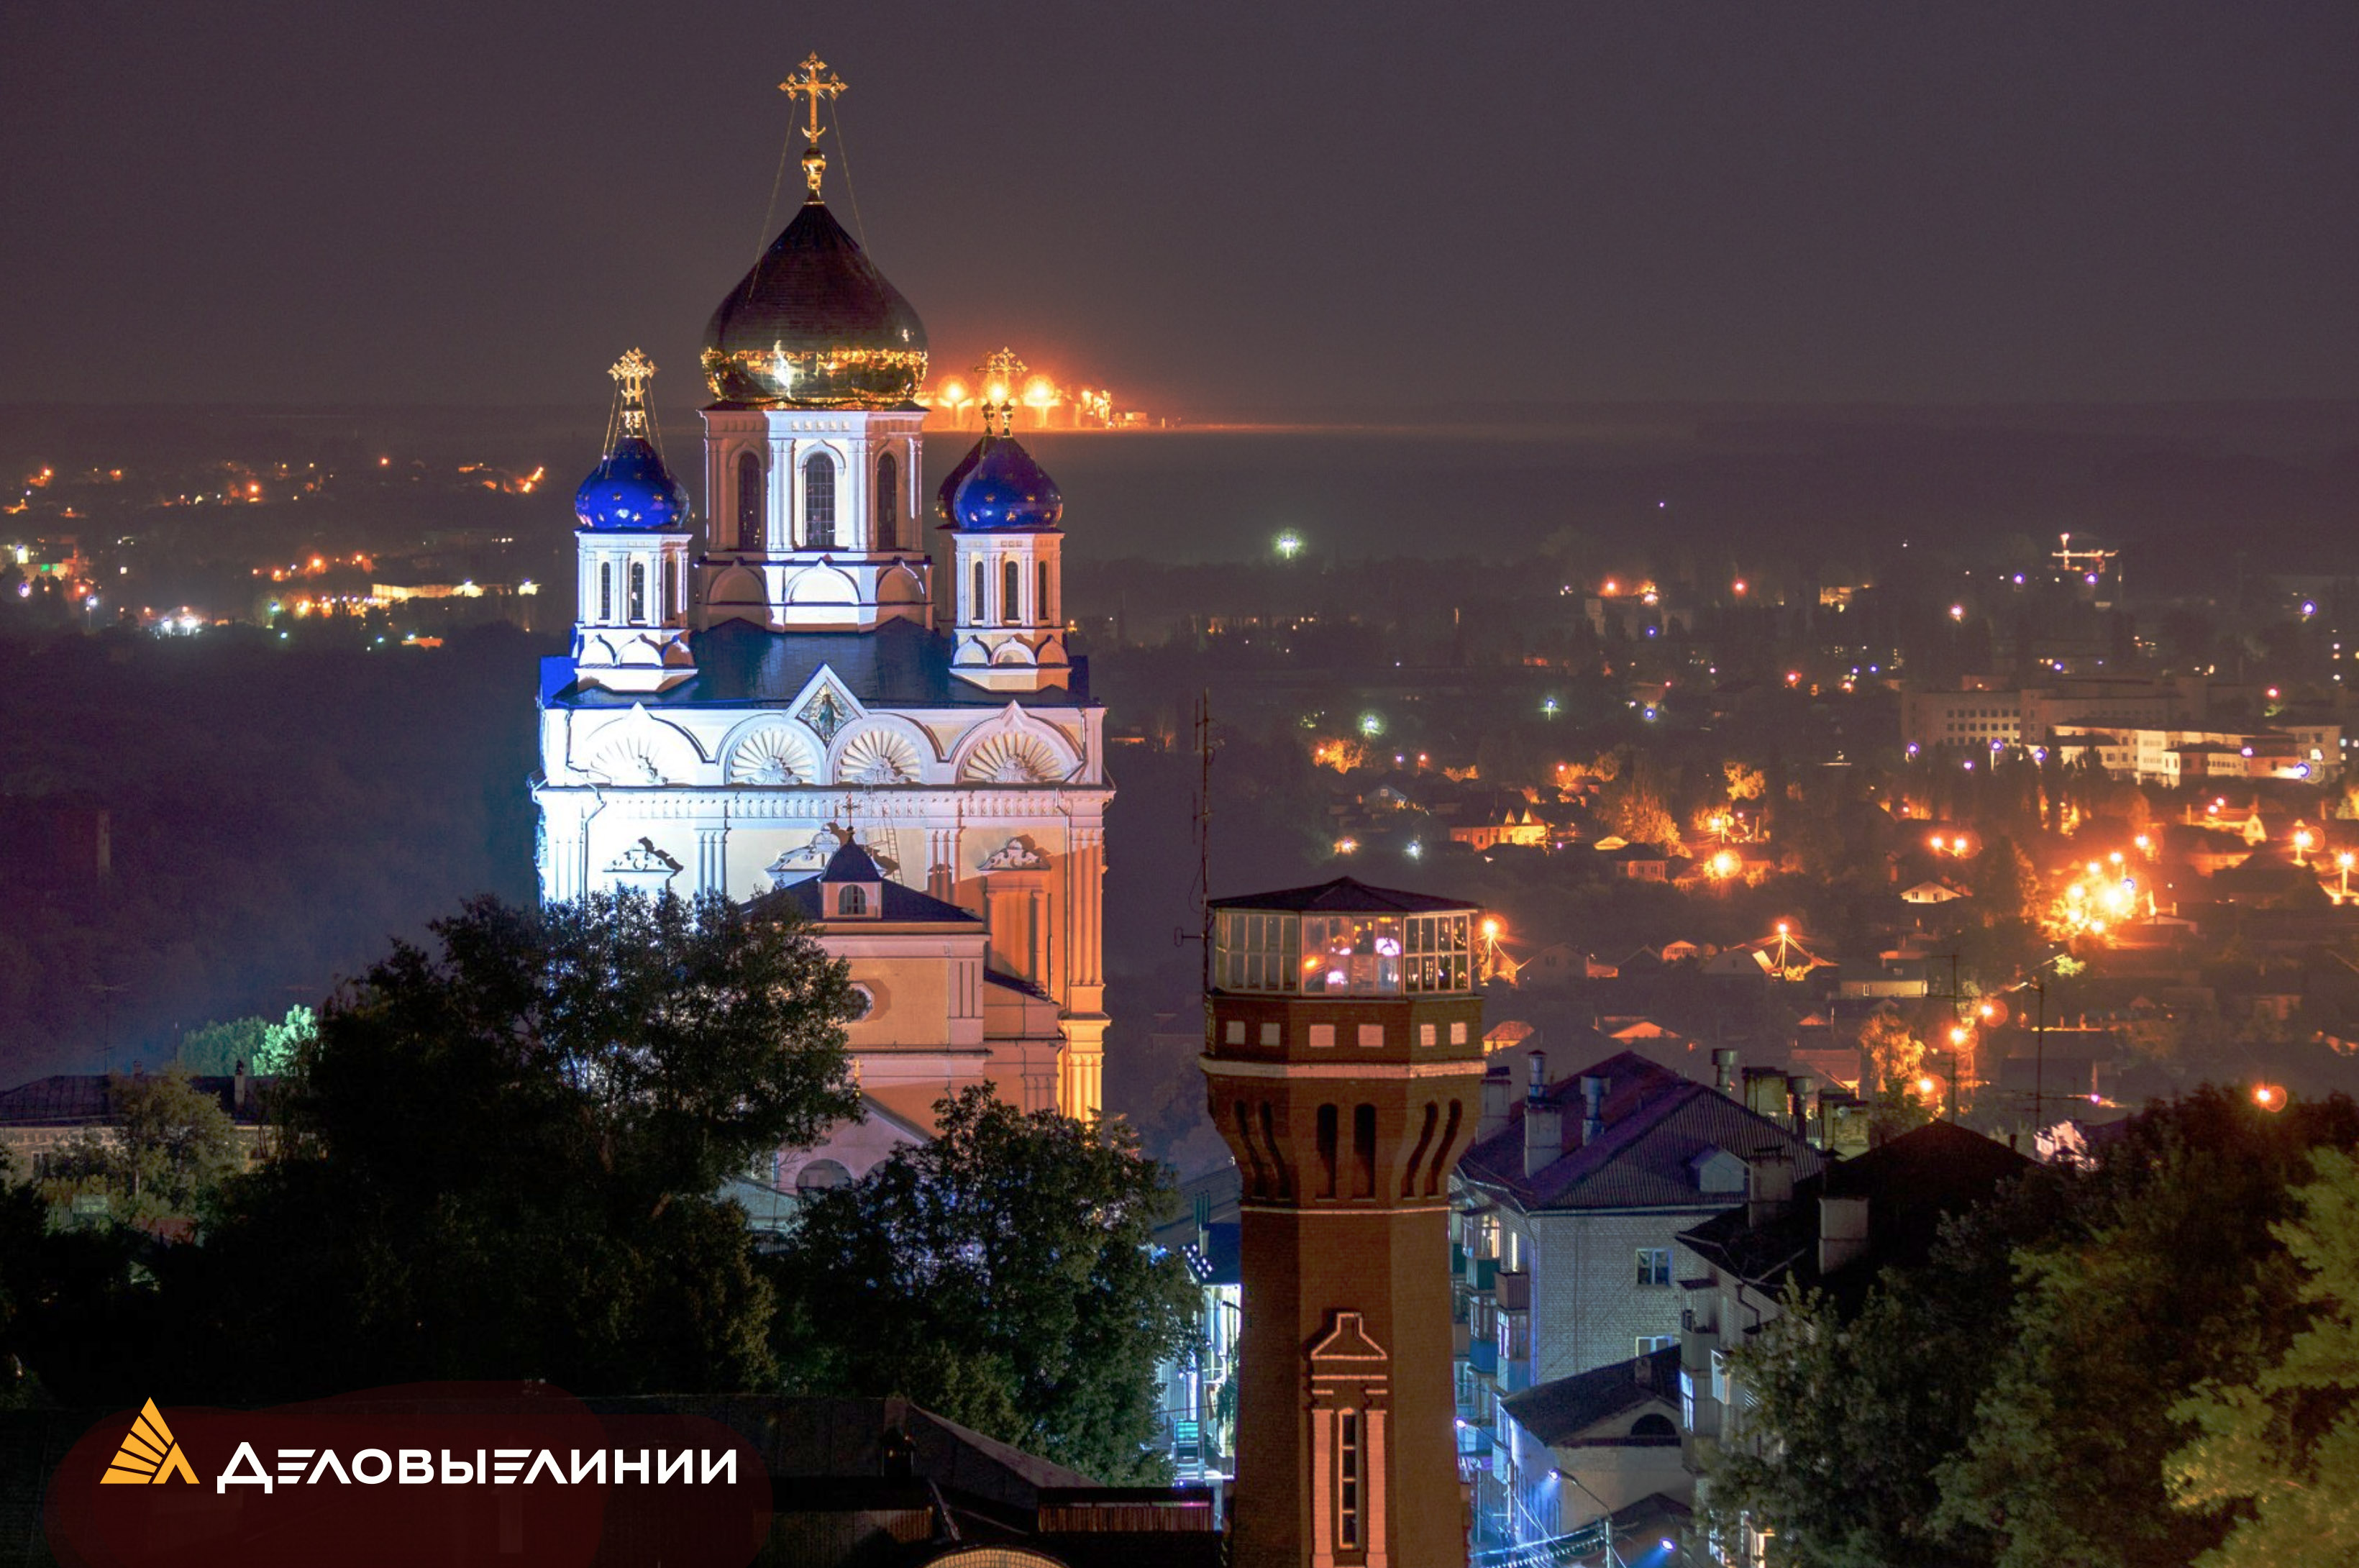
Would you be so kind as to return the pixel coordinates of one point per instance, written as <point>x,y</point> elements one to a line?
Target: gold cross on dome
<point>999,376</point>
<point>815,83</point>
<point>633,372</point>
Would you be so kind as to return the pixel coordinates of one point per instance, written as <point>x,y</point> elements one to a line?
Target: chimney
<point>1806,1106</point>
<point>237,1088</point>
<point>1543,1121</point>
<point>1499,1086</point>
<point>1724,1070</point>
<point>1842,1232</point>
<point>1592,1109</point>
<point>1769,1186</point>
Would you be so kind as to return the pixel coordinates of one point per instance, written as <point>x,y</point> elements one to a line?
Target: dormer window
<point>852,900</point>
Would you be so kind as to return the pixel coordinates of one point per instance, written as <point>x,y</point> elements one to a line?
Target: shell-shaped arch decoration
<point>632,758</point>
<point>878,756</point>
<point>773,753</point>
<point>1012,758</point>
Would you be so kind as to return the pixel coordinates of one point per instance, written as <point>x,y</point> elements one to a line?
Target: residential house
<point>1565,1212</point>
<point>1596,1453</point>
<point>1835,1229</point>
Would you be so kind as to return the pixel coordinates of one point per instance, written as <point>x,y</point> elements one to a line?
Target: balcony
<point>1515,1291</point>
<point>1483,1356</point>
<point>1486,1271</point>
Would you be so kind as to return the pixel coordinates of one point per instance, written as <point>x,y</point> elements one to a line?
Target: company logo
<point>149,1456</point>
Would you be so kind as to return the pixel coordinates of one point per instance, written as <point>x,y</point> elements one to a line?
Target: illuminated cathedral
<point>781,699</point>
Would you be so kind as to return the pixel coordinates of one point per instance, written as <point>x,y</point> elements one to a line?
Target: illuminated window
<point>1011,606</point>
<point>819,502</point>
<point>638,591</point>
<point>1650,1343</point>
<point>749,501</point>
<point>888,501</point>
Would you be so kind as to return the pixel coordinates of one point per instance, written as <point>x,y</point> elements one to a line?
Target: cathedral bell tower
<point>1344,1061</point>
<point>1002,511</point>
<point>811,444</point>
<point>630,624</point>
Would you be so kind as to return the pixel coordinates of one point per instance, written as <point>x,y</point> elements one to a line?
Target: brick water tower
<point>1344,1061</point>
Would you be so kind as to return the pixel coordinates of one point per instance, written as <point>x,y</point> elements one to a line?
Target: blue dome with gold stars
<point>1005,491</point>
<point>630,488</point>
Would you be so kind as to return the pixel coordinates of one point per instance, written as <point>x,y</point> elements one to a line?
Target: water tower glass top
<point>1342,938</point>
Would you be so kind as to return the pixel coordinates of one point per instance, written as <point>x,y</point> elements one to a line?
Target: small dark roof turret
<point>1345,896</point>
<point>851,864</point>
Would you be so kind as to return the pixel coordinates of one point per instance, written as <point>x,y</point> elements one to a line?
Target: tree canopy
<point>2092,1368</point>
<point>1001,1275</point>
<point>501,1157</point>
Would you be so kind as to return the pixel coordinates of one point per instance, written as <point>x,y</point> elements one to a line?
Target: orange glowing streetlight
<point>2270,1097</point>
<point>2303,839</point>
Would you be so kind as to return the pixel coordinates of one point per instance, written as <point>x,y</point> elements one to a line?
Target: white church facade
<point>751,693</point>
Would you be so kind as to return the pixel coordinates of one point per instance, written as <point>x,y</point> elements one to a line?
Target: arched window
<point>639,592</point>
<point>749,501</point>
<point>888,501</point>
<point>1011,608</point>
<point>605,589</point>
<point>978,611</point>
<point>819,502</point>
<point>852,900</point>
<point>821,1174</point>
<point>1653,1424</point>
<point>1041,611</point>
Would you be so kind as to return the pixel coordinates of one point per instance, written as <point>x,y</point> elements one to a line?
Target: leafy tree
<point>1895,1058</point>
<point>171,1146</point>
<point>2014,1401</point>
<point>23,1218</point>
<point>265,1048</point>
<point>2284,1449</point>
<point>501,1157</point>
<point>1632,804</point>
<point>1000,1275</point>
<point>2162,1276</point>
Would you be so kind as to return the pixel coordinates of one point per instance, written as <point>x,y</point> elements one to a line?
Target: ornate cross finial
<point>632,373</point>
<point>815,83</point>
<point>998,380</point>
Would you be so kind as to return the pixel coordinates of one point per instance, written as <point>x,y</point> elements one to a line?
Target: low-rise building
<point>1565,1212</point>
<point>1592,1448</point>
<point>1834,1230</point>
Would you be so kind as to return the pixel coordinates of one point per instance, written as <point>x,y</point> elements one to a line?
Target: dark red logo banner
<point>401,1477</point>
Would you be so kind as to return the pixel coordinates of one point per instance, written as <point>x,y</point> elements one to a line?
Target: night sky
<point>1219,210</point>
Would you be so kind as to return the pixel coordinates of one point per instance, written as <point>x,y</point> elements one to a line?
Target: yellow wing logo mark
<point>149,1455</point>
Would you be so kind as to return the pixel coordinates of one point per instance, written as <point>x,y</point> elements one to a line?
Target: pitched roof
<point>851,864</point>
<point>87,1099</point>
<point>1559,1411</point>
<point>1911,1183</point>
<point>898,905</point>
<point>1657,1123</point>
<point>1345,896</point>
